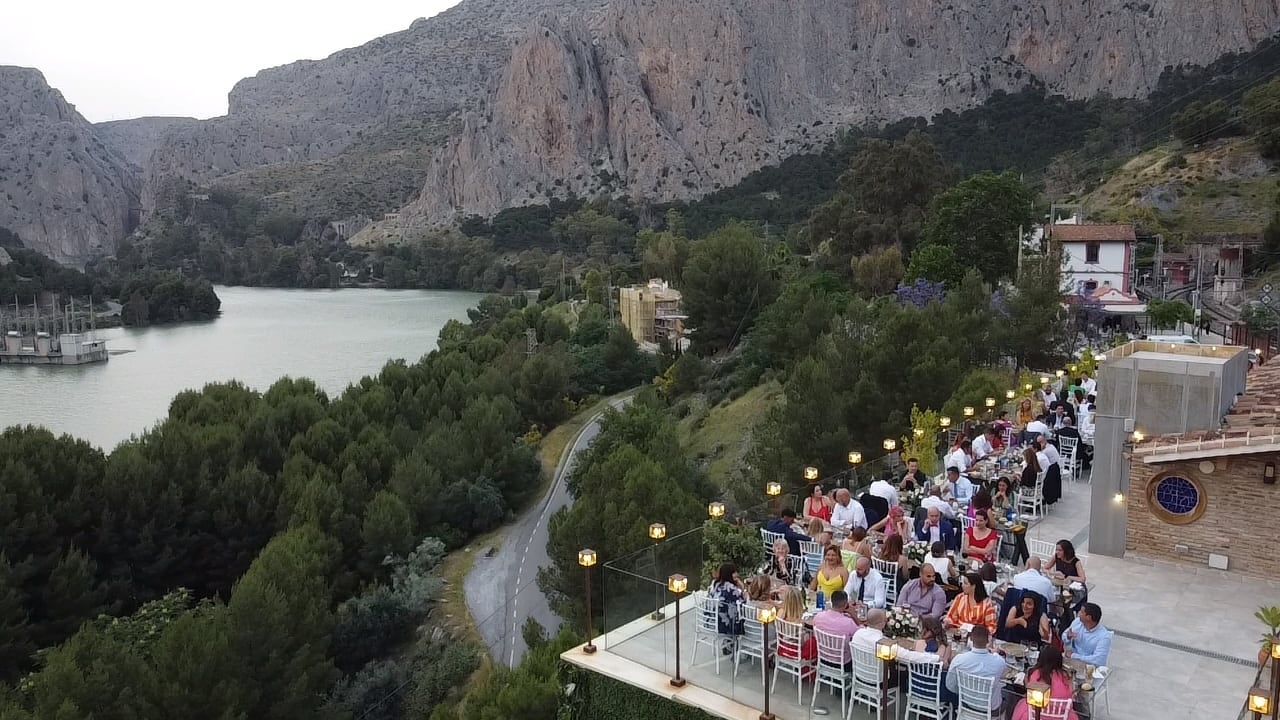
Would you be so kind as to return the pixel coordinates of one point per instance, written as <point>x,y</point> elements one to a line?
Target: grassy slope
<point>1224,188</point>
<point>721,436</point>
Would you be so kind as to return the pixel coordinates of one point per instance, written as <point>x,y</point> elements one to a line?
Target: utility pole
<point>1199,302</point>
<point>1018,275</point>
<point>1159,266</point>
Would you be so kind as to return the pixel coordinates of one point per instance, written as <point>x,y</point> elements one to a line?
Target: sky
<point>117,59</point>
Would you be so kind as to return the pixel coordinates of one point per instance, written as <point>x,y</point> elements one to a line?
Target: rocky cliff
<point>668,99</point>
<point>135,139</point>
<point>62,190</point>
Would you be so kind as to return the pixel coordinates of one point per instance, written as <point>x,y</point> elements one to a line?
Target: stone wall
<point>1237,519</point>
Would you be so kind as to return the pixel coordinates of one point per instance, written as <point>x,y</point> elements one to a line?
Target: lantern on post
<point>716,509</point>
<point>657,531</point>
<point>677,584</point>
<point>766,615</point>
<point>587,558</point>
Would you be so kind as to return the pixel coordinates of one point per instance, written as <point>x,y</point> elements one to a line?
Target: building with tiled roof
<point>1094,255</point>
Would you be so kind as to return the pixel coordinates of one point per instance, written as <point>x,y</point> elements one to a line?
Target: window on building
<point>1091,251</point>
<point>1090,285</point>
<point>1176,499</point>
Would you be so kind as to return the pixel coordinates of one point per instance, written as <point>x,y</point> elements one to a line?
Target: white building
<point>1094,256</point>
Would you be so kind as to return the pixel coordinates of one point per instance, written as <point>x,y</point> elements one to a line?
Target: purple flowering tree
<point>920,293</point>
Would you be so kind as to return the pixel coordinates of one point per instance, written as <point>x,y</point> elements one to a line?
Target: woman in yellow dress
<point>832,575</point>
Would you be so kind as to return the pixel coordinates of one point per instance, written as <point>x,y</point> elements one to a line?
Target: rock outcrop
<point>137,138</point>
<point>669,99</point>
<point>62,189</point>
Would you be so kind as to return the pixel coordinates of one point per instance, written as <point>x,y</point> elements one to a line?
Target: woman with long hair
<point>980,541</point>
<point>792,610</point>
<point>1027,623</point>
<point>1030,468</point>
<point>728,592</point>
<point>1048,669</point>
<point>1026,412</point>
<point>760,590</point>
<point>892,551</point>
<point>832,575</point>
<point>972,606</point>
<point>1002,499</point>
<point>1066,562</point>
<point>817,505</point>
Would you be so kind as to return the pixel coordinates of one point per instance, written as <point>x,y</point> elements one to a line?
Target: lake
<point>334,337</point>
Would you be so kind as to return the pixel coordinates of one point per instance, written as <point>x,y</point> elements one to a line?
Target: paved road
<point>491,585</point>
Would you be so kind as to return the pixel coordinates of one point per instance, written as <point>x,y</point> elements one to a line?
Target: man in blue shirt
<point>1087,640</point>
<point>981,662</point>
<point>783,526</point>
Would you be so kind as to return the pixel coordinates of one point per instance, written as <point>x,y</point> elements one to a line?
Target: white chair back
<point>791,633</point>
<point>832,649</point>
<point>1057,709</point>
<point>708,613</point>
<point>809,547</point>
<point>767,538</point>
<point>1042,549</point>
<point>888,571</point>
<point>975,697</point>
<point>798,567</point>
<point>866,667</point>
<point>1007,436</point>
<point>924,690</point>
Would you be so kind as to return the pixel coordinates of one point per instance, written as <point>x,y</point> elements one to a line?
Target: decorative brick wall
<point>1239,517</point>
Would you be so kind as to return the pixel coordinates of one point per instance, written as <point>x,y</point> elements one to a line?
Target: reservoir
<point>334,337</point>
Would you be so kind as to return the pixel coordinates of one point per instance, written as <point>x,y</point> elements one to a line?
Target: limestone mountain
<point>63,191</point>
<point>669,99</point>
<point>136,138</point>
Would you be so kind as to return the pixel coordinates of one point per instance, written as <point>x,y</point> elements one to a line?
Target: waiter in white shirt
<point>934,500</point>
<point>882,489</point>
<point>960,456</point>
<point>1089,384</point>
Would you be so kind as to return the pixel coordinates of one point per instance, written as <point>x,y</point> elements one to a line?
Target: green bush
<point>724,542</point>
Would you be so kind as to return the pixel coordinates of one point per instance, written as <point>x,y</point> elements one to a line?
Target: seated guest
<point>873,630</point>
<point>817,505</point>
<point>1033,580</point>
<point>960,485</point>
<point>866,586</point>
<point>837,619</point>
<point>847,514</point>
<point>981,541</point>
<point>990,579</point>
<point>1066,563</point>
<point>728,592</point>
<point>981,500</point>
<point>1025,412</point>
<point>1027,622</point>
<point>941,562</point>
<point>832,575</point>
<point>972,606</point>
<point>760,590</point>
<point>934,528</point>
<point>1087,640</point>
<point>1030,468</point>
<point>1088,384</point>
<point>856,544</point>
<point>1050,671</point>
<point>984,444</point>
<point>816,527</point>
<point>1084,453</point>
<point>913,478</point>
<point>892,550</point>
<point>979,662</point>
<point>1002,499</point>
<point>934,501</point>
<point>783,526</point>
<point>780,567</point>
<point>924,597</point>
<point>792,610</point>
<point>895,524</point>
<point>1034,428</point>
<point>961,455</point>
<point>933,639</point>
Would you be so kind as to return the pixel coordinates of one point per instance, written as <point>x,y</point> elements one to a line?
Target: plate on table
<point>1014,650</point>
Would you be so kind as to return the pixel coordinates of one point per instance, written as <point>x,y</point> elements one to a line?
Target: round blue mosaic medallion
<point>1177,496</point>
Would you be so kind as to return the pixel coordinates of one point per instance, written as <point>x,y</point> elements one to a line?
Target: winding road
<point>502,590</point>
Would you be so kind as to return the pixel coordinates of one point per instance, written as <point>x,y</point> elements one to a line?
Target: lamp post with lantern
<point>587,558</point>
<point>855,459</point>
<point>886,653</point>
<point>715,510</point>
<point>766,615</point>
<point>657,531</point>
<point>677,584</point>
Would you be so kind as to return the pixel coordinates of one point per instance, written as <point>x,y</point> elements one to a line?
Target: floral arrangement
<point>902,624</point>
<point>910,499</point>
<point>916,551</point>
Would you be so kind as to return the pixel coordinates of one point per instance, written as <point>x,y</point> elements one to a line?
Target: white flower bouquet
<point>902,624</point>
<point>910,499</point>
<point>917,551</point>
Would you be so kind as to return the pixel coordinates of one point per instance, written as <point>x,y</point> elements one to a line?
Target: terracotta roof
<point>1092,233</point>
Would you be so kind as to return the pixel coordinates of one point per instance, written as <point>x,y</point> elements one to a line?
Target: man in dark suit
<point>783,526</point>
<point>933,528</point>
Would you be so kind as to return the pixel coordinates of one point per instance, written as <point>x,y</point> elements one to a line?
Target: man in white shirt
<point>934,501</point>
<point>984,444</point>
<point>873,629</point>
<point>848,513</point>
<point>961,485</point>
<point>1089,384</point>
<point>866,586</point>
<point>883,489</point>
<point>1033,579</point>
<point>1050,453</point>
<point>960,456</point>
<point>1037,426</point>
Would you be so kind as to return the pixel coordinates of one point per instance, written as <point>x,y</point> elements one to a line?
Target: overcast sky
<point>116,59</point>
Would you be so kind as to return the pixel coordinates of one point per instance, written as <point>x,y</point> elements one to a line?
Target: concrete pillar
<point>1108,519</point>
